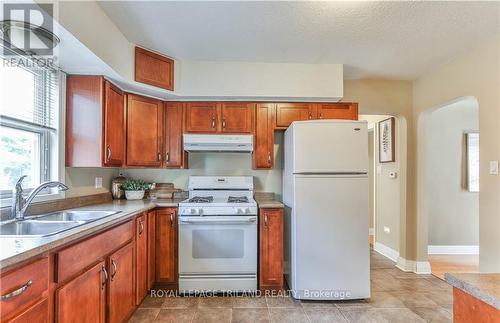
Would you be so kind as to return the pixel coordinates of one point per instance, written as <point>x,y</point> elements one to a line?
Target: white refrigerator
<point>325,192</point>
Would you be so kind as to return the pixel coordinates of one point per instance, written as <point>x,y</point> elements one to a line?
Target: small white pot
<point>134,195</point>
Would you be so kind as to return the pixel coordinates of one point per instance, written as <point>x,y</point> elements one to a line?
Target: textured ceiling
<point>398,40</point>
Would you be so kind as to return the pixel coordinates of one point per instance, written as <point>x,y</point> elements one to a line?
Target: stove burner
<point>238,199</point>
<point>201,199</point>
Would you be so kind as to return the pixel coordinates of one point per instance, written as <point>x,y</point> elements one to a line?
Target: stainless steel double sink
<point>50,224</point>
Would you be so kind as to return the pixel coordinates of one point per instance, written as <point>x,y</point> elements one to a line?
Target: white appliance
<point>218,235</point>
<point>325,191</point>
<point>229,143</point>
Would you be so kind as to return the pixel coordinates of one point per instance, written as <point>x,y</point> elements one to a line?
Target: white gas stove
<point>218,235</point>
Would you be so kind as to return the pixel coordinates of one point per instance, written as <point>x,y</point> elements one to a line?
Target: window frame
<point>52,153</point>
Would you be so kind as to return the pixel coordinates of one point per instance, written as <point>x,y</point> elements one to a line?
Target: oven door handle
<point>217,221</point>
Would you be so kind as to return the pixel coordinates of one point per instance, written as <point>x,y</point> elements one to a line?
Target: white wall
<point>453,210</point>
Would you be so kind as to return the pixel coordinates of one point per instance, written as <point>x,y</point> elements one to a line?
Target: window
<point>29,117</point>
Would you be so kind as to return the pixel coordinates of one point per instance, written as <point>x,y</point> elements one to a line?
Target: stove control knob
<point>247,210</point>
<point>193,211</point>
<point>200,211</point>
<point>239,211</point>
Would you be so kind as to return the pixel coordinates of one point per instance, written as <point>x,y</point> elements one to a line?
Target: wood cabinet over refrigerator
<point>154,69</point>
<point>95,122</point>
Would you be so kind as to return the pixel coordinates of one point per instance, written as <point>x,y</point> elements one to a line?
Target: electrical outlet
<point>494,167</point>
<point>98,182</point>
<point>387,229</point>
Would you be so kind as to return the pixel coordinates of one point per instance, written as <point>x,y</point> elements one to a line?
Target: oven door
<point>218,245</point>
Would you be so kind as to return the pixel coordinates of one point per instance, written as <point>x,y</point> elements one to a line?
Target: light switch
<point>494,167</point>
<point>98,182</point>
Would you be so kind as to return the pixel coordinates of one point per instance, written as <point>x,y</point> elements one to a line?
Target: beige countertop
<point>15,250</point>
<point>268,200</point>
<point>485,287</point>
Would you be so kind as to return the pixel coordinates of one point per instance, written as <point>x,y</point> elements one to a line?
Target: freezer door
<point>330,250</point>
<point>330,147</point>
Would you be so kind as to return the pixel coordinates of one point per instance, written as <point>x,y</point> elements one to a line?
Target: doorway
<point>451,156</point>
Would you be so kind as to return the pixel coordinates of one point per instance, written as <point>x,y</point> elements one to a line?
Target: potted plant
<point>134,189</point>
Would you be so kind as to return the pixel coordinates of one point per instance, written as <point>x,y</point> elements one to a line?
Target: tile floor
<point>396,297</point>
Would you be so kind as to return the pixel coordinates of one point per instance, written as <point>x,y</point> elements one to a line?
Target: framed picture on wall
<point>386,140</point>
<point>472,142</point>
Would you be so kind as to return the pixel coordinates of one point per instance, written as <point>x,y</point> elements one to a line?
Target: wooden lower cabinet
<point>121,291</point>
<point>83,299</point>
<point>141,258</point>
<point>38,313</point>
<point>166,247</point>
<point>271,249</point>
<point>151,247</point>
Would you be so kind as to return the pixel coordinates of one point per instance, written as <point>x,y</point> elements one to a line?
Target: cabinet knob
<point>108,153</point>
<point>103,284</point>
<point>17,292</point>
<point>113,264</point>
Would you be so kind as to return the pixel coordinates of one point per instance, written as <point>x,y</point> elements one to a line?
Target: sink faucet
<point>20,204</point>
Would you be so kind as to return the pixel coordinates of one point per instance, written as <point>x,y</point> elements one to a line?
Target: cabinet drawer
<point>81,255</point>
<point>38,313</point>
<point>25,285</point>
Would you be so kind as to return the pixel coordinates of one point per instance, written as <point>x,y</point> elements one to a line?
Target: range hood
<point>220,143</point>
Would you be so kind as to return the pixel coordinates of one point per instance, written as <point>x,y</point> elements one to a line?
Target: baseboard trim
<point>417,267</point>
<point>386,251</point>
<point>453,250</point>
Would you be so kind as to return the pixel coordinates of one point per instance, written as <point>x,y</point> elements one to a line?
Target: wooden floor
<point>441,264</point>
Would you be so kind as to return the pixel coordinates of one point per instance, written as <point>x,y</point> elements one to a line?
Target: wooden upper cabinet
<point>201,117</point>
<point>154,69</point>
<point>121,296</point>
<point>286,113</point>
<point>95,129</point>
<point>114,126</point>
<point>271,249</point>
<point>144,131</point>
<point>263,153</point>
<point>174,156</point>
<point>166,246</point>
<point>341,110</point>
<point>83,297</point>
<point>237,117</point>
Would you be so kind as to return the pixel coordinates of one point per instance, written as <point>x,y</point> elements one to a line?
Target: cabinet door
<point>38,313</point>
<point>201,117</point>
<point>114,126</point>
<point>144,131</point>
<point>174,152</point>
<point>166,246</point>
<point>121,291</point>
<point>347,111</point>
<point>151,248</point>
<point>141,258</point>
<point>154,69</point>
<point>263,153</point>
<point>84,298</point>
<point>237,117</point>
<point>271,249</point>
<point>286,113</point>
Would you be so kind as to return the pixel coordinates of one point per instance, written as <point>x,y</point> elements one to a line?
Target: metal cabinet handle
<point>171,219</point>
<point>269,158</point>
<point>265,220</point>
<point>321,115</point>
<point>167,157</point>
<point>103,284</point>
<point>17,292</point>
<point>141,225</point>
<point>159,156</point>
<point>108,152</point>
<point>115,269</point>
<point>223,123</point>
<point>213,122</point>
<point>310,115</point>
